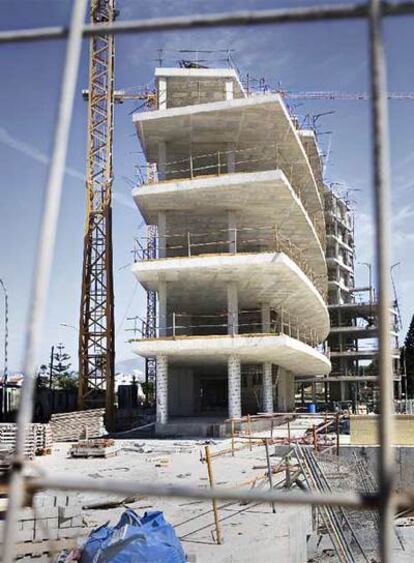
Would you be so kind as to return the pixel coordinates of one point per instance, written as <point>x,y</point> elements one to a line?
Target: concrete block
<point>66,523</point>
<point>27,525</point>
<point>77,532</point>
<point>77,521</point>
<point>24,535</point>
<point>26,514</point>
<point>68,511</point>
<point>44,533</point>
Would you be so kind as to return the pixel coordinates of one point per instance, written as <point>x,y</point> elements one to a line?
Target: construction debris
<point>39,440</point>
<point>93,448</point>
<point>70,426</point>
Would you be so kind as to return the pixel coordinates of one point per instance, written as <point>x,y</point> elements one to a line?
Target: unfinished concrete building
<point>353,340</point>
<point>239,264</point>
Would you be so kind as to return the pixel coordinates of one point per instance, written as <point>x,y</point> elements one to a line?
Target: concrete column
<point>162,93</point>
<point>343,394</point>
<point>162,390</point>
<point>234,386</point>
<point>162,232</point>
<point>267,388</point>
<point>231,222</point>
<point>265,312</point>
<point>232,309</point>
<point>285,391</point>
<point>313,386</point>
<point>229,90</point>
<point>162,160</point>
<point>162,309</point>
<point>231,158</point>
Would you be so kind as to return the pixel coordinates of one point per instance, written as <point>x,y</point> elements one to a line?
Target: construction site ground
<point>250,532</point>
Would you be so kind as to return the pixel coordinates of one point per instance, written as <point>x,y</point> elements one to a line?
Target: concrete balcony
<point>250,208</point>
<point>282,350</point>
<point>334,262</point>
<point>260,124</point>
<point>200,284</point>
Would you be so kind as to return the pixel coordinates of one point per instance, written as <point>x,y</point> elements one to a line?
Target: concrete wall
<point>404,462</point>
<point>364,430</point>
<point>181,392</point>
<point>285,391</point>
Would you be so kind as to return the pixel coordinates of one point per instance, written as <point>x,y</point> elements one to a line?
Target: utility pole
<point>96,334</point>
<point>6,343</point>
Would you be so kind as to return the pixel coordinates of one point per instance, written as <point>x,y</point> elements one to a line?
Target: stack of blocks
<point>54,523</point>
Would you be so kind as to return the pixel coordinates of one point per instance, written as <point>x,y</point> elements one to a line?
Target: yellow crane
<point>96,327</point>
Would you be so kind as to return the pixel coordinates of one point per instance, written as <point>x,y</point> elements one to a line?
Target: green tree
<point>59,367</point>
<point>407,358</point>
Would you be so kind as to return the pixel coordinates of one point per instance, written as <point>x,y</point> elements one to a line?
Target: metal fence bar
<point>42,271</point>
<point>382,208</point>
<point>234,18</point>
<point>129,488</point>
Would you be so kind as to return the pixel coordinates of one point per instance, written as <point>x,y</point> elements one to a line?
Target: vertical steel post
<point>269,471</point>
<point>42,273</point>
<point>382,207</point>
<point>214,501</point>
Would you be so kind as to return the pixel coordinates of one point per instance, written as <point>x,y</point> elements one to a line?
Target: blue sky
<point>321,56</point>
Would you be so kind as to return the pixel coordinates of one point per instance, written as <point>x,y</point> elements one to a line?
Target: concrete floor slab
<point>264,203</point>
<point>281,350</point>
<point>257,123</point>
<point>199,284</point>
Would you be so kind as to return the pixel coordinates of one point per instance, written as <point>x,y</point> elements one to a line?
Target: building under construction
<point>239,265</point>
<point>353,340</point>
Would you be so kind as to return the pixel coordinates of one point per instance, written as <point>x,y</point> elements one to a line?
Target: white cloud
<point>35,154</point>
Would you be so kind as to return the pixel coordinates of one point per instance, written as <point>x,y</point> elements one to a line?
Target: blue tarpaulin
<point>134,538</point>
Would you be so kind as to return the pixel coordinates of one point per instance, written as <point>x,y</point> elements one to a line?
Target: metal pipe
<point>243,17</point>
<point>382,236</point>
<point>67,482</point>
<point>42,271</point>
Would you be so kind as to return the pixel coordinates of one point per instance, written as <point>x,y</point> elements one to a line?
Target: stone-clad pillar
<point>267,388</point>
<point>162,390</point>
<point>234,386</point>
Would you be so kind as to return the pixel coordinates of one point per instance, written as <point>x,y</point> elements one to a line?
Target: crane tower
<point>96,331</point>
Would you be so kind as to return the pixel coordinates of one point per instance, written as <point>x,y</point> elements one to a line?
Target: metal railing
<point>256,158</point>
<point>232,241</point>
<point>24,478</point>
<point>248,322</point>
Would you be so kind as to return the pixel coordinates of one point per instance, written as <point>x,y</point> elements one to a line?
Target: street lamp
<point>369,266</point>
<point>6,341</point>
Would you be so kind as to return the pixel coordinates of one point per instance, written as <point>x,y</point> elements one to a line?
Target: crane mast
<point>96,334</point>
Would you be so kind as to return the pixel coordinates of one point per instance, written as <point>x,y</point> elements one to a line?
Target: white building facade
<point>239,268</point>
